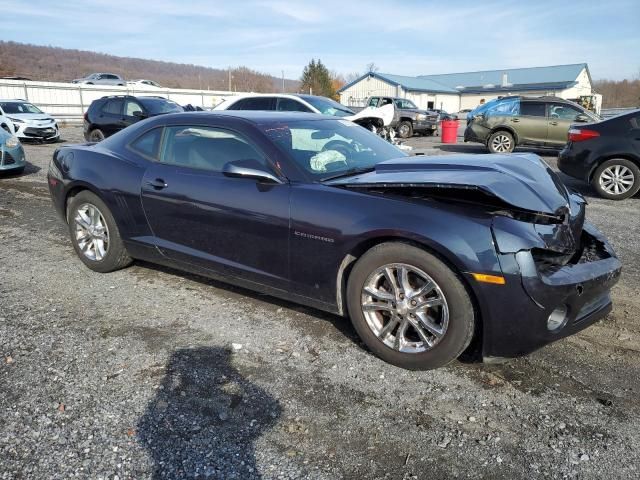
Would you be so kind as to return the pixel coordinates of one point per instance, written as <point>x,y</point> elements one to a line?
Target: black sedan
<point>605,154</point>
<point>428,256</point>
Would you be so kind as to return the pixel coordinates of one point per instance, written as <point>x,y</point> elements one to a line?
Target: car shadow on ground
<point>341,324</point>
<point>205,418</point>
<point>479,148</point>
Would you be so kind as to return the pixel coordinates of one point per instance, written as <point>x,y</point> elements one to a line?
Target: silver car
<point>101,79</point>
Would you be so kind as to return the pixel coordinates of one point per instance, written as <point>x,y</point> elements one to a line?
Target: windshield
<point>326,106</point>
<point>482,108</point>
<point>328,148</point>
<point>157,106</point>
<point>19,107</point>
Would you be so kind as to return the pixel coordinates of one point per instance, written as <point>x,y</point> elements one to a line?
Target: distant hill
<point>54,64</point>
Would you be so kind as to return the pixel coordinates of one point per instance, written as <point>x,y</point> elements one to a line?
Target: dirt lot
<point>151,373</point>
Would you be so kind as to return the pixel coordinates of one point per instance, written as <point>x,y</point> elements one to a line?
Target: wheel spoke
<point>426,321</point>
<point>429,303</point>
<point>379,294</point>
<point>400,340</point>
<point>375,306</point>
<point>393,282</point>
<point>388,328</point>
<point>423,290</point>
<point>403,273</point>
<point>418,327</point>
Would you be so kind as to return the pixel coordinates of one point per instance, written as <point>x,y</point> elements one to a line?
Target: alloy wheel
<point>403,131</point>
<point>617,179</point>
<point>501,143</point>
<point>92,234</point>
<point>405,308</point>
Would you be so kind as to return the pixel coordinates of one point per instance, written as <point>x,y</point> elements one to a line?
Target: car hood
<point>30,116</point>
<point>523,181</point>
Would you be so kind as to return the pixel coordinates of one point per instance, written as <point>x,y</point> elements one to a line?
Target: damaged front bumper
<point>556,300</point>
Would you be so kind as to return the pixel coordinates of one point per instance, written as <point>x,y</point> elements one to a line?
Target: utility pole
<point>229,78</point>
<point>282,81</point>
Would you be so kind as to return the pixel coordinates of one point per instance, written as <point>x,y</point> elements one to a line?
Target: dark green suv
<point>508,122</point>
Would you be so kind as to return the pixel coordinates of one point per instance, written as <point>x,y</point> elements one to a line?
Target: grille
<point>591,250</point>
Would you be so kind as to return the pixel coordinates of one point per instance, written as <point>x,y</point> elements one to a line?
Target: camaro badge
<point>313,237</point>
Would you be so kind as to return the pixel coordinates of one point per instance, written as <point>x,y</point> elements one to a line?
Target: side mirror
<point>139,114</point>
<point>582,118</point>
<point>250,168</point>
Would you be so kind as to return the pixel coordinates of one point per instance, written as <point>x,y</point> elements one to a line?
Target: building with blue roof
<point>457,91</point>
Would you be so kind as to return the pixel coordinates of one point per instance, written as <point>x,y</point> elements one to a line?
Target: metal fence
<point>612,112</point>
<point>67,102</point>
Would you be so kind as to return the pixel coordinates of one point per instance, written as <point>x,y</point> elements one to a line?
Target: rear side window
<point>373,102</point>
<point>206,148</point>
<point>289,105</point>
<point>256,103</point>
<point>147,144</point>
<point>533,109</point>
<point>509,107</point>
<point>112,107</point>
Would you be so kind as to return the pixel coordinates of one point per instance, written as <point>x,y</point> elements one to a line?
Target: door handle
<point>553,123</point>
<point>157,184</point>
<point>515,120</point>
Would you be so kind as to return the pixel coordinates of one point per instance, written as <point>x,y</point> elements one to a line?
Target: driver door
<point>234,226</point>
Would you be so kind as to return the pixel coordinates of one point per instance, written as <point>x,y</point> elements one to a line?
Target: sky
<point>408,37</point>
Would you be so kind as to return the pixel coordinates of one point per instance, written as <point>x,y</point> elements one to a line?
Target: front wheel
<point>95,235</point>
<point>617,179</point>
<point>501,142</point>
<point>96,135</point>
<point>405,129</point>
<point>408,307</point>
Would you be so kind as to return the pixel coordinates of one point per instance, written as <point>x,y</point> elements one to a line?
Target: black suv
<point>111,114</point>
<point>507,122</point>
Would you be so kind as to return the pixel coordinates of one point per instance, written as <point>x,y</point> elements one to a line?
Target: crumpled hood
<point>524,181</point>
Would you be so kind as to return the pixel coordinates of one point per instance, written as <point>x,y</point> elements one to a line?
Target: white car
<point>143,84</point>
<point>26,121</point>
<point>283,102</point>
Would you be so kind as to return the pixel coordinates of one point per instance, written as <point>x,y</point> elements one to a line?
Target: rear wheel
<point>405,129</point>
<point>501,142</point>
<point>96,135</point>
<point>95,235</point>
<point>408,307</point>
<point>617,179</point>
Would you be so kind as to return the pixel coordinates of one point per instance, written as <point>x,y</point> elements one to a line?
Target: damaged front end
<point>558,268</point>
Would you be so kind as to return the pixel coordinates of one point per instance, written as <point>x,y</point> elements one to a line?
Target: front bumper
<point>26,131</point>
<point>12,158</point>
<point>425,125</point>
<point>518,311</point>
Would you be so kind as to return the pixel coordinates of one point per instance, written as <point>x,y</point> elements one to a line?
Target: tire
<point>405,129</point>
<point>454,317</point>
<point>501,142</point>
<point>617,175</point>
<point>113,255</point>
<point>96,135</point>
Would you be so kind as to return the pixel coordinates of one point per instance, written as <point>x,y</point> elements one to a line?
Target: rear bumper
<point>575,164</point>
<point>475,133</point>
<point>518,311</point>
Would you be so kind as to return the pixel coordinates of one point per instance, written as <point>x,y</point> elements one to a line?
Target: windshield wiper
<point>350,172</point>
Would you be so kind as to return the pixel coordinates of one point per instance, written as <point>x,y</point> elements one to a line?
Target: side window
<point>508,107</point>
<point>563,112</point>
<point>289,105</point>
<point>147,144</point>
<point>255,103</point>
<point>532,109</point>
<point>373,102</point>
<point>112,107</point>
<point>131,107</point>
<point>206,148</point>
<point>386,101</point>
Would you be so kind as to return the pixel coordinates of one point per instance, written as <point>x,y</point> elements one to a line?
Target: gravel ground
<point>151,373</point>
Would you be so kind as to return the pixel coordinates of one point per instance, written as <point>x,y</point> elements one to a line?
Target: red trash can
<point>449,131</point>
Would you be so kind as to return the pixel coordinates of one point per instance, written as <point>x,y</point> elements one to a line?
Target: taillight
<point>86,116</point>
<point>581,134</point>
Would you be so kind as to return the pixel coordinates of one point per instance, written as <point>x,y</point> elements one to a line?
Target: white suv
<point>26,121</point>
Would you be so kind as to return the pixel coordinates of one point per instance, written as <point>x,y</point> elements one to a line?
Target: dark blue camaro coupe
<point>428,256</point>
